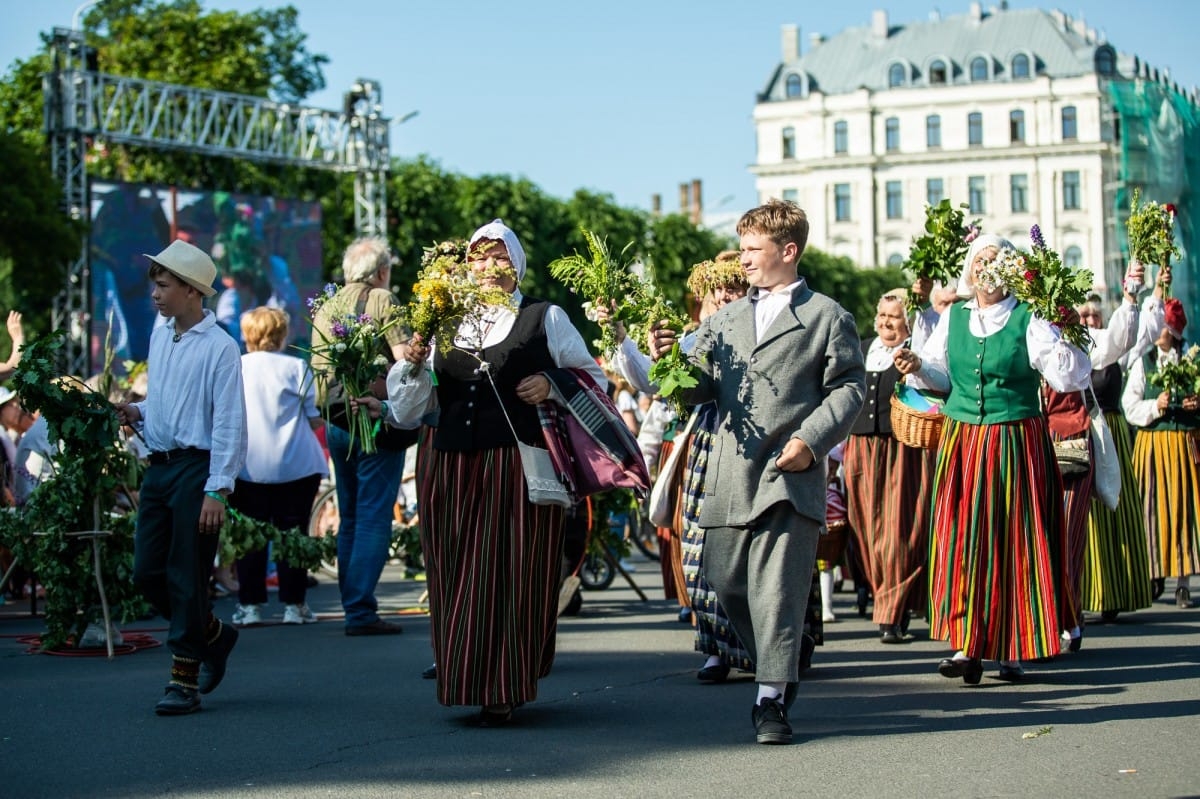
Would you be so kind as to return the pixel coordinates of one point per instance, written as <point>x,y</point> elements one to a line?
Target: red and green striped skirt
<point>997,527</point>
<point>493,563</point>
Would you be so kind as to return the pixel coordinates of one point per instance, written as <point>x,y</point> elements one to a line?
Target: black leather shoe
<point>178,701</point>
<point>1011,673</point>
<point>890,634</point>
<point>770,723</point>
<point>494,716</point>
<point>1076,643</point>
<point>973,672</point>
<point>212,668</point>
<point>377,627</point>
<point>430,673</point>
<point>1183,598</point>
<point>952,668</point>
<point>717,673</point>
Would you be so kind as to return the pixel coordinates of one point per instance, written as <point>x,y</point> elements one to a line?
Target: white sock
<point>827,592</point>
<point>960,655</point>
<point>713,660</point>
<point>770,690</point>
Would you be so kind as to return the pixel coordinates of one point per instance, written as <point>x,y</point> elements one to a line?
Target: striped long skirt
<point>1170,482</point>
<point>997,526</point>
<point>887,506</point>
<point>714,633</point>
<point>670,539</point>
<point>1116,565</point>
<point>493,563</point>
<point>1077,502</point>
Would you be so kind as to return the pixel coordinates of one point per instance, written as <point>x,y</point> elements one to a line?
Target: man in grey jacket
<point>786,370</point>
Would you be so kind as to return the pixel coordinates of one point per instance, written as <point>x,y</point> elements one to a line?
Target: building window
<point>935,191</point>
<point>841,137</point>
<point>976,194</point>
<point>937,73</point>
<point>1070,190</point>
<point>1106,60</point>
<point>979,69</point>
<point>1020,67</point>
<point>790,196</point>
<point>892,134</point>
<point>841,202</point>
<point>1019,192</point>
<point>789,143</point>
<point>795,85</point>
<point>896,76</point>
<point>975,129</point>
<point>1016,127</point>
<point>933,131</point>
<point>895,200</point>
<point>1073,257</point>
<point>1070,124</point>
<point>896,260</point>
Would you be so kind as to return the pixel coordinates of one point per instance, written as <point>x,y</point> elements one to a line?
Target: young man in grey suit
<point>786,370</point>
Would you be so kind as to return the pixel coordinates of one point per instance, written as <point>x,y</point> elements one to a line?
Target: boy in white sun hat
<point>194,423</point>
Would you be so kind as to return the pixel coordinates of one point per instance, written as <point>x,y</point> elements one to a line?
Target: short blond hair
<point>264,328</point>
<point>778,220</point>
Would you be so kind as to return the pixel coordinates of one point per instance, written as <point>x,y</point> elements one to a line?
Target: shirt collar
<point>759,293</point>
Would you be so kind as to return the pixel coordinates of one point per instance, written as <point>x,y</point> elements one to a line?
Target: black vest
<point>471,418</point>
<point>875,418</point>
<point>1106,383</point>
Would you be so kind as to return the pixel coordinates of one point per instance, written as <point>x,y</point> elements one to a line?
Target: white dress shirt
<point>281,398</point>
<point>769,304</point>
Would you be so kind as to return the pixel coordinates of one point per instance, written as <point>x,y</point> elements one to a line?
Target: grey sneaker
<point>298,614</point>
<point>770,722</point>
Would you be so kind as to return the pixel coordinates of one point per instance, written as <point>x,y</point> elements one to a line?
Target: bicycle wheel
<point>323,521</point>
<point>644,533</point>
<point>597,573</point>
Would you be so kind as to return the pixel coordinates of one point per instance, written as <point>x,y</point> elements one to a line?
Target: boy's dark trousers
<point>172,560</point>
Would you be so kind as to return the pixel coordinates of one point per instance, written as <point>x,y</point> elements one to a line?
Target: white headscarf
<point>498,231</point>
<point>980,244</point>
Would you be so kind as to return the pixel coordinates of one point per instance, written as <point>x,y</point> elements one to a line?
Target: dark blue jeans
<point>366,490</point>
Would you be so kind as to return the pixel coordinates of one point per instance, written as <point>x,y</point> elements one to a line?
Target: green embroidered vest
<point>1174,418</point>
<point>991,380</point>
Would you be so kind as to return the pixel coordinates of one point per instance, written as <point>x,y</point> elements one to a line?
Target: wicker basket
<point>914,428</point>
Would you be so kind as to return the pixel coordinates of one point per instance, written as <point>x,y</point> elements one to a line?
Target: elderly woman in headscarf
<point>887,484</point>
<point>492,557</point>
<point>1166,417</point>
<point>997,495</point>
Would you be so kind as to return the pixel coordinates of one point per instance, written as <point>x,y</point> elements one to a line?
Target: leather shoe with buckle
<point>178,701</point>
<point>212,668</point>
<point>377,627</point>
<point>717,673</point>
<point>770,722</point>
<point>890,634</point>
<point>970,670</point>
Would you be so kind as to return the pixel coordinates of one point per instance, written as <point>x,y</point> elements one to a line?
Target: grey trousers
<point>762,575</point>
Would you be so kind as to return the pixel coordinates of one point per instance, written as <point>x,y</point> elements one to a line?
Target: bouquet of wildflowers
<point>938,253</point>
<point>1180,377</point>
<point>446,297</point>
<point>605,282</point>
<point>1040,278</point>
<point>352,354</point>
<point>673,371</point>
<point>1151,229</point>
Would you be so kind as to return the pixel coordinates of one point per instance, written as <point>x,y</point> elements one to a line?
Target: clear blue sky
<point>622,97</point>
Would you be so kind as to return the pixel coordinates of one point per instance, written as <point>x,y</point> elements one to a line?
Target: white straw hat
<point>190,264</point>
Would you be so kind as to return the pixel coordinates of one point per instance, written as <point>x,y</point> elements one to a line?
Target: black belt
<point>158,458</point>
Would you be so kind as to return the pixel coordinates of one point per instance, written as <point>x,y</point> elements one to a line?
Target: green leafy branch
<point>938,253</point>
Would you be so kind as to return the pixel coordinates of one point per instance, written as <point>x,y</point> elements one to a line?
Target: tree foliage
<point>857,290</point>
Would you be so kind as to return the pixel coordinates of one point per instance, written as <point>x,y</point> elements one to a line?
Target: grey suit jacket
<point>804,380</point>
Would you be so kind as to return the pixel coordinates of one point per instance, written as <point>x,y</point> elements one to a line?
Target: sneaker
<point>770,722</point>
<point>298,614</point>
<point>247,615</point>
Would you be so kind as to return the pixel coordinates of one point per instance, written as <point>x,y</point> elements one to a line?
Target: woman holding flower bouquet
<point>493,559</point>
<point>996,495</point>
<point>1161,399</point>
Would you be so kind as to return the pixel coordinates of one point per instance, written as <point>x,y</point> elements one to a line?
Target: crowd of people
<point>982,533</point>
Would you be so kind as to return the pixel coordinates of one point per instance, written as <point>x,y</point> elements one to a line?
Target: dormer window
<point>1106,60</point>
<point>1020,67</point>
<point>937,73</point>
<point>979,69</point>
<point>794,86</point>
<point>897,75</point>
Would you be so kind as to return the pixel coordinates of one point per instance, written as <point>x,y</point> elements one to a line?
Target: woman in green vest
<point>1164,459</point>
<point>997,495</point>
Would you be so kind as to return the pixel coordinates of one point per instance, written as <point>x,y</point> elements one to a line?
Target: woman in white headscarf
<point>997,495</point>
<point>493,559</point>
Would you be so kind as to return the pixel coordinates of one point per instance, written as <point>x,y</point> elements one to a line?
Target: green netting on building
<point>1160,154</point>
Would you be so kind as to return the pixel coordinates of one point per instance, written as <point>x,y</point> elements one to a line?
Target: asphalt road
<point>308,712</point>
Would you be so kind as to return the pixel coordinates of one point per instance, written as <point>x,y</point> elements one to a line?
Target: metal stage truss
<point>82,104</point>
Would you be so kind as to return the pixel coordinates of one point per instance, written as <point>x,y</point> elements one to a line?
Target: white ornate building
<point>1007,110</point>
